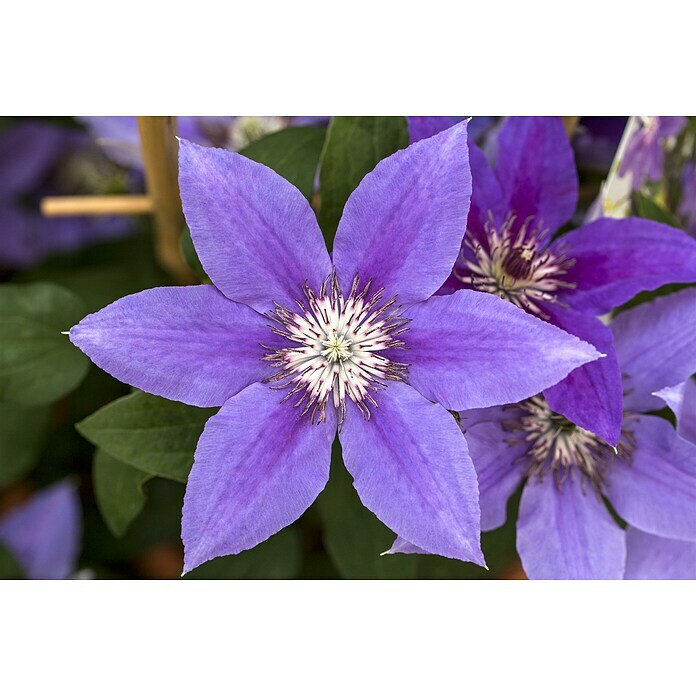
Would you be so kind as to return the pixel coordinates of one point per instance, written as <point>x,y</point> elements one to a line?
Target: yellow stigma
<point>336,348</point>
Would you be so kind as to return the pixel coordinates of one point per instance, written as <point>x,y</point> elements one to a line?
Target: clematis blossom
<point>44,533</point>
<point>510,251</point>
<point>294,344</point>
<point>564,528</point>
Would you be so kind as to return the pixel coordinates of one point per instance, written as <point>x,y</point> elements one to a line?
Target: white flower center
<point>515,266</point>
<point>244,130</point>
<point>336,347</point>
<point>561,448</point>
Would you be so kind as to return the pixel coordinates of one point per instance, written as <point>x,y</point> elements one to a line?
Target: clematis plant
<point>293,343</point>
<point>509,250</point>
<point>44,533</point>
<point>564,528</point>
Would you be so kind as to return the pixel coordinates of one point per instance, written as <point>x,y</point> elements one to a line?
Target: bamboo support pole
<point>570,123</point>
<point>159,149</point>
<point>63,206</point>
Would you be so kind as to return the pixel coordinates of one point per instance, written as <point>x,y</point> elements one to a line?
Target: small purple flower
<point>509,251</point>
<point>38,159</point>
<point>687,205</point>
<point>44,533</point>
<point>644,158</point>
<point>293,343</point>
<point>564,529</point>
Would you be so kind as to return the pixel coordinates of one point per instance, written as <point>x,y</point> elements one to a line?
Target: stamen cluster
<point>336,348</point>
<point>515,265</point>
<point>563,449</point>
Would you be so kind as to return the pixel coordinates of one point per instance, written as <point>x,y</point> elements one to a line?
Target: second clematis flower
<point>568,280</point>
<point>293,344</point>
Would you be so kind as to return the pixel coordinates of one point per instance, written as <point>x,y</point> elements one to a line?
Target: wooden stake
<point>570,123</point>
<point>63,206</point>
<point>159,149</point>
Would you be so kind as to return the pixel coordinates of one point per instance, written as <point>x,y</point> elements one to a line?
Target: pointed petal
<point>656,492</point>
<point>498,469</point>
<point>487,199</point>
<point>44,533</point>
<point>471,349</point>
<point>656,347</point>
<point>650,557</point>
<point>412,469</point>
<point>402,546</point>
<point>258,466</point>
<point>617,259</point>
<point>682,400</point>
<point>567,534</point>
<point>403,226</point>
<point>536,170</point>
<point>188,344</point>
<point>255,233</point>
<point>422,127</point>
<point>592,395</point>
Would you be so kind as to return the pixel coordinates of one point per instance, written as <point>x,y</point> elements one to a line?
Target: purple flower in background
<point>421,127</point>
<point>564,529</point>
<point>687,205</point>
<point>596,141</point>
<point>293,343</point>
<point>644,158</point>
<point>569,280</point>
<point>38,159</point>
<point>44,533</point>
<point>118,135</point>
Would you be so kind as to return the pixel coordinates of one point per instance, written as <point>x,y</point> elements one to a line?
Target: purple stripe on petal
<point>656,347</point>
<point>44,533</point>
<point>650,557</point>
<point>568,534</point>
<point>258,466</point>
<point>471,350</point>
<point>617,259</point>
<point>499,473</point>
<point>657,491</point>
<point>682,400</point>
<point>188,344</point>
<point>412,469</point>
<point>403,226</point>
<point>255,233</point>
<point>592,395</point>
<point>536,169</point>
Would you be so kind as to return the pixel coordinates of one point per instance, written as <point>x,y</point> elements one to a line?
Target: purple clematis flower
<point>569,280</point>
<point>421,127</point>
<point>38,159</point>
<point>293,343</point>
<point>44,533</point>
<point>564,529</point>
<point>118,135</point>
<point>644,158</point>
<point>596,141</point>
<point>687,205</point>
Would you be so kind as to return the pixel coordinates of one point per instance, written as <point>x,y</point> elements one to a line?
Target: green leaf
<point>353,146</point>
<point>148,432</point>
<point>276,559</point>
<point>10,569</point>
<point>37,363</point>
<point>353,536</point>
<point>118,489</point>
<point>293,153</point>
<point>648,208</point>
<point>22,431</point>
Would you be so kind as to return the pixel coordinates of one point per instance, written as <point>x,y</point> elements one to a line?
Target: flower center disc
<point>336,348</point>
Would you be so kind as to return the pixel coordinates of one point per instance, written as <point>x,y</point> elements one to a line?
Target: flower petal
<point>498,470</point>
<point>656,347</point>
<point>656,492</point>
<point>591,395</point>
<point>682,400</point>
<point>188,344</point>
<point>471,349</point>
<point>614,260</point>
<point>258,466</point>
<point>403,225</point>
<point>568,534</point>
<point>44,533</point>
<point>650,557</point>
<point>412,469</point>
<point>486,197</point>
<point>255,233</point>
<point>422,127</point>
<point>536,170</point>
